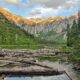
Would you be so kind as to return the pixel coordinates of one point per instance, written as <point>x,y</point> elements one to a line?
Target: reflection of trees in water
<point>2,77</point>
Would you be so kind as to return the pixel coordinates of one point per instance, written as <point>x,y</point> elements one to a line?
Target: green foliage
<point>12,36</point>
<point>66,49</point>
<point>76,51</point>
<point>71,34</point>
<point>73,41</point>
<point>52,37</point>
<point>49,58</point>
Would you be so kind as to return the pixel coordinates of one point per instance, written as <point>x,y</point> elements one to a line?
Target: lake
<point>56,65</point>
<point>58,77</point>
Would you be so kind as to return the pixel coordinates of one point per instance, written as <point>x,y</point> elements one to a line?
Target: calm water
<point>56,65</point>
<point>59,77</point>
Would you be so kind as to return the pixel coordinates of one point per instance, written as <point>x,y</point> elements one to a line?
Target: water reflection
<point>58,77</point>
<point>56,65</point>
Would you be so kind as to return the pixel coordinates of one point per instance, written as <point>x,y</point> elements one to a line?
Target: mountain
<point>11,36</point>
<point>50,29</point>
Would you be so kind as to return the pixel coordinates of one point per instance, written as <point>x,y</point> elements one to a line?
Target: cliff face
<point>51,29</point>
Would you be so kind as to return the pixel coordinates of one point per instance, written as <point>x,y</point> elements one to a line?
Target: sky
<point>41,8</point>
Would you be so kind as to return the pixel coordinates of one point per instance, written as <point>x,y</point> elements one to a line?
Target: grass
<point>12,36</point>
<point>20,46</point>
<point>49,58</point>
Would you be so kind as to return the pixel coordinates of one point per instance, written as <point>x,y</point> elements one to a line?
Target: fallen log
<point>67,75</point>
<point>42,69</point>
<point>15,60</point>
<point>29,73</point>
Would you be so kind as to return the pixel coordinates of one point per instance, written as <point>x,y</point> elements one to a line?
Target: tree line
<point>73,40</point>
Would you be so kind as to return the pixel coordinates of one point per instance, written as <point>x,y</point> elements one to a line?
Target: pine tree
<point>76,43</point>
<point>68,33</point>
<point>72,34</point>
<point>78,24</point>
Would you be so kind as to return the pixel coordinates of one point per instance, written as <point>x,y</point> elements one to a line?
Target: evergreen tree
<point>68,33</point>
<point>71,34</point>
<point>78,24</point>
<point>74,40</point>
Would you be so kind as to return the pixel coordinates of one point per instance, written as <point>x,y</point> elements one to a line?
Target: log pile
<point>22,62</point>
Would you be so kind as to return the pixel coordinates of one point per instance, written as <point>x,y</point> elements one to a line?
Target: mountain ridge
<point>16,18</point>
<point>50,29</point>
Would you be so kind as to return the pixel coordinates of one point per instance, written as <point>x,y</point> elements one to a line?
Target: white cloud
<point>34,12</point>
<point>44,12</point>
<point>13,1</point>
<point>51,8</point>
<point>49,3</point>
<point>69,4</point>
<point>73,2</point>
<point>44,8</point>
<point>6,9</point>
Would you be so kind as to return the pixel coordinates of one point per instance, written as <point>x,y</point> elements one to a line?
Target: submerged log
<point>36,73</point>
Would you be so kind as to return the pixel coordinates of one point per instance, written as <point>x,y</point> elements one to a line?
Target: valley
<point>26,44</point>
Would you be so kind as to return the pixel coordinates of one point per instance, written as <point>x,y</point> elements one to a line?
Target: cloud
<point>44,12</point>
<point>69,4</point>
<point>13,1</point>
<point>6,9</point>
<point>42,8</point>
<point>19,4</point>
<point>51,8</point>
<point>16,3</point>
<point>35,12</point>
<point>73,2</point>
<point>44,3</point>
<point>73,5</point>
<point>49,3</point>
